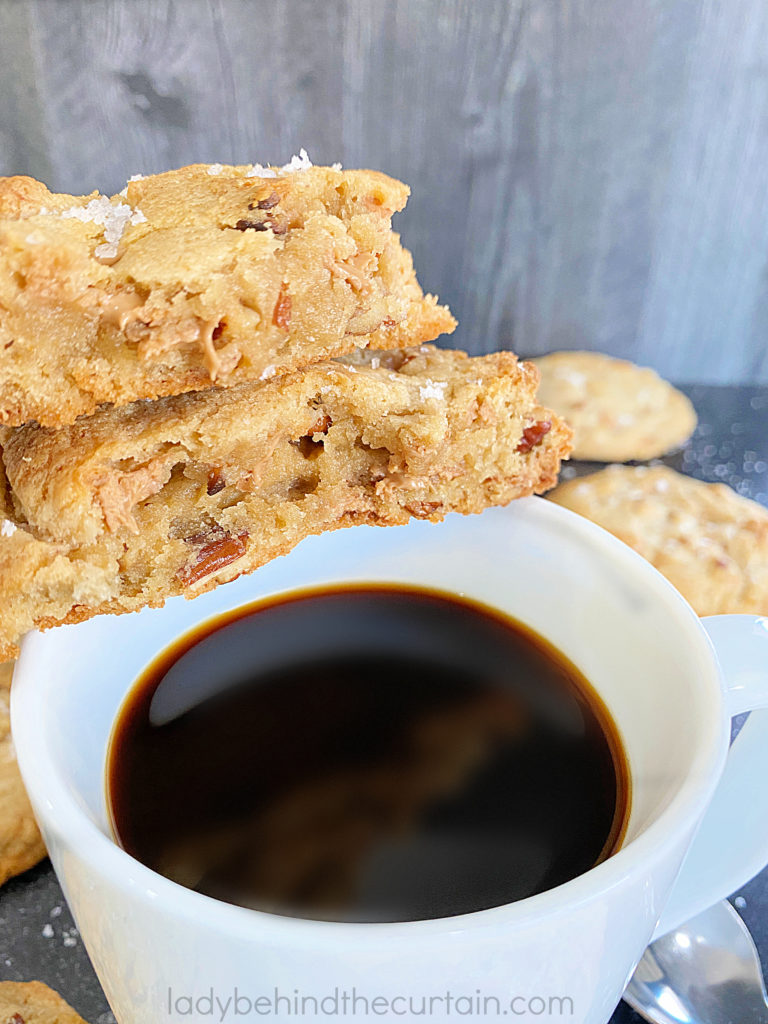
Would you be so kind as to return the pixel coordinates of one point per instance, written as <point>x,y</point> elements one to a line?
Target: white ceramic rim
<point>680,817</point>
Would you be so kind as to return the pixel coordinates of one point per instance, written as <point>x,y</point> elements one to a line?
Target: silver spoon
<point>705,972</point>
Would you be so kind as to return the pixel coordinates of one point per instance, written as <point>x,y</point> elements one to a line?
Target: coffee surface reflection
<point>366,754</point>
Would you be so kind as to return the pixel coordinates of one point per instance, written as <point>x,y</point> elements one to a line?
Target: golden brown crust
<point>31,1002</point>
<point>59,581</point>
<point>137,503</point>
<point>708,541</point>
<point>21,845</point>
<point>618,411</point>
<point>204,274</point>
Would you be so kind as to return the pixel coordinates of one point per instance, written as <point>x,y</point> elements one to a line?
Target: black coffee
<point>367,754</point>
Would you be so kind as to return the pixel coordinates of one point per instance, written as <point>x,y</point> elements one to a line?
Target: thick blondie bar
<point>207,274</point>
<point>134,504</point>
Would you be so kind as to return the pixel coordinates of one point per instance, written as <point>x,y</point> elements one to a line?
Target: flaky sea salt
<point>573,377</point>
<point>47,931</point>
<point>267,372</point>
<point>260,171</point>
<point>296,163</point>
<point>216,168</point>
<point>7,529</point>
<point>98,210</point>
<point>432,389</point>
<point>113,217</point>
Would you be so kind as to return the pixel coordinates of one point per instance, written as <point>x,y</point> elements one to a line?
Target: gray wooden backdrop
<point>585,173</point>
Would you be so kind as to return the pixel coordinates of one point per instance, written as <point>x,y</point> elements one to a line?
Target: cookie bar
<point>32,1002</point>
<point>207,274</point>
<point>618,411</point>
<point>134,504</point>
<point>21,845</point>
<point>710,543</point>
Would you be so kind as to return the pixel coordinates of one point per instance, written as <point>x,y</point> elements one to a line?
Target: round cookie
<point>708,541</point>
<point>21,845</point>
<point>618,411</point>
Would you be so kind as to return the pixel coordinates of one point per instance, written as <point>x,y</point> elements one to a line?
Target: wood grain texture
<point>584,173</point>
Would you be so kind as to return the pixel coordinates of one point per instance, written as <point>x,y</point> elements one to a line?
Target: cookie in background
<point>31,1002</point>
<point>619,412</point>
<point>709,542</point>
<point>21,845</point>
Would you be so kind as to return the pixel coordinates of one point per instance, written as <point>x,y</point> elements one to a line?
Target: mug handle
<point>731,845</point>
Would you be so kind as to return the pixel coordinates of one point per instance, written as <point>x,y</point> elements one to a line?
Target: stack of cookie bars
<point>203,370</point>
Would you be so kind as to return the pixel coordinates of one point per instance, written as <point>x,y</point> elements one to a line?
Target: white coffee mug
<point>165,953</point>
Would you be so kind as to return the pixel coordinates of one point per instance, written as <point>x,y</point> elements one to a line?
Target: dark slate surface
<point>38,938</point>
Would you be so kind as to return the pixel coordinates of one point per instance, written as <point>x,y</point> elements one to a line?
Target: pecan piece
<point>216,481</point>
<point>309,446</point>
<point>322,425</point>
<point>533,435</point>
<point>273,221</point>
<point>252,225</point>
<point>207,533</point>
<point>266,204</point>
<point>424,509</point>
<point>212,557</point>
<point>281,317</point>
